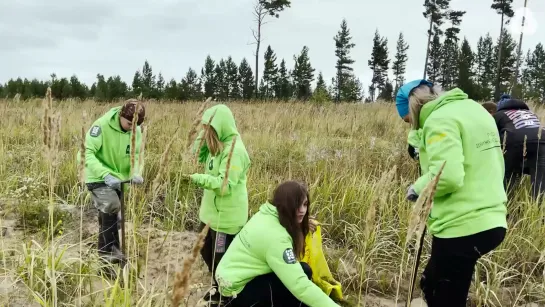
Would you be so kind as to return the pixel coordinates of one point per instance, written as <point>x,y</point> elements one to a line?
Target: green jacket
<point>470,196</point>
<point>227,210</point>
<point>108,149</point>
<point>264,246</point>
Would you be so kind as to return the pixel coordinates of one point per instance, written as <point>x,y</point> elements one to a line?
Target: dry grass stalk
<point>142,148</point>
<point>162,164</point>
<point>133,136</point>
<point>198,149</point>
<point>181,282</point>
<point>193,131</point>
<point>504,142</point>
<point>228,166</point>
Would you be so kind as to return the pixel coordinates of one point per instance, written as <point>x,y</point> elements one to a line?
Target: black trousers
<point>447,277</point>
<point>268,290</point>
<point>213,250</point>
<point>517,164</point>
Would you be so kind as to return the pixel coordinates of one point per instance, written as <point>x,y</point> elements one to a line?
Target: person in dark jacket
<point>523,142</point>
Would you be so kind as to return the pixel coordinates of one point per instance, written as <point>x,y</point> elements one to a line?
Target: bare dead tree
<point>260,12</point>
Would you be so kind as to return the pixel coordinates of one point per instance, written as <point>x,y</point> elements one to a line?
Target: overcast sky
<point>86,37</point>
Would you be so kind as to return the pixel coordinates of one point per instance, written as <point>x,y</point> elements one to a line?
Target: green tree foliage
<point>303,75</point>
<point>449,50</point>
<point>283,86</point>
<point>343,44</point>
<point>246,80</point>
<point>378,64</point>
<point>434,62</point>
<point>466,73</point>
<point>400,62</point>
<point>485,67</point>
<point>508,60</point>
<point>208,75</point>
<point>270,74</point>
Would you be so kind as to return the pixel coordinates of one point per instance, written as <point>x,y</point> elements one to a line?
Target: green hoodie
<point>470,196</point>
<point>264,246</point>
<point>226,211</point>
<point>108,149</point>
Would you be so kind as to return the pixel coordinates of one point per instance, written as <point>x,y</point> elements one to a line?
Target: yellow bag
<point>321,275</point>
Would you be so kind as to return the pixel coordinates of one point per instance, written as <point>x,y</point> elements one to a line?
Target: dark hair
<point>129,108</point>
<point>490,106</point>
<point>287,199</point>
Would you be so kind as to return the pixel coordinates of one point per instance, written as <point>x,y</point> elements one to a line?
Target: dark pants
<point>107,202</point>
<point>447,276</point>
<point>268,290</point>
<point>213,250</point>
<point>517,164</point>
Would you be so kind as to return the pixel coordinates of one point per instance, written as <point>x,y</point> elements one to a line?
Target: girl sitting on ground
<point>261,266</point>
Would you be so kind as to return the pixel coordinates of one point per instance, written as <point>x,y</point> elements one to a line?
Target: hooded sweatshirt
<point>227,210</point>
<point>470,196</point>
<point>108,149</point>
<point>515,121</point>
<point>264,246</point>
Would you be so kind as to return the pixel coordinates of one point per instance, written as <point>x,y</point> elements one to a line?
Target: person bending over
<point>523,139</point>
<point>225,207</point>
<point>261,266</point>
<point>466,221</point>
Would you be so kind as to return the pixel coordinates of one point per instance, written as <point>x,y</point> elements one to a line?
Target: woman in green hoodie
<point>225,202</point>
<point>260,267</point>
<point>468,217</point>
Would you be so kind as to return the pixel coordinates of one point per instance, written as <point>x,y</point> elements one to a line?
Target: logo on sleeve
<point>95,131</point>
<point>211,164</point>
<point>289,256</point>
<point>128,150</point>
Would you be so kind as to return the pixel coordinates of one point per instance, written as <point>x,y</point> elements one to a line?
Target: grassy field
<point>353,157</point>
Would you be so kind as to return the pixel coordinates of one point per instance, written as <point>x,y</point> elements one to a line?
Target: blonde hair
<point>212,140</point>
<point>419,97</point>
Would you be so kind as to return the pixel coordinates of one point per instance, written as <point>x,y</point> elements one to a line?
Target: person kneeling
<point>260,268</point>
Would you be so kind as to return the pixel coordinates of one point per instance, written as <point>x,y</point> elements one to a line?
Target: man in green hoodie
<point>107,165</point>
<point>468,217</point>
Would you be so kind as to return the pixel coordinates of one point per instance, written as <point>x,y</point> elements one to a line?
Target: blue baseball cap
<point>402,97</point>
<point>503,99</point>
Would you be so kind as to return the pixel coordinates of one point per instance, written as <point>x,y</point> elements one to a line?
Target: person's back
<point>473,198</point>
<point>517,123</point>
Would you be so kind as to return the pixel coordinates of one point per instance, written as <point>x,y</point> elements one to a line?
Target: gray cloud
<point>87,37</point>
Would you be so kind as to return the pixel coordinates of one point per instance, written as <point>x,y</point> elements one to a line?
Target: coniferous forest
<point>485,71</point>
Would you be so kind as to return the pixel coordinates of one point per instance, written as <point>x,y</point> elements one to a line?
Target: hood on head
<point>268,209</point>
<point>512,104</point>
<point>223,121</point>
<point>454,94</point>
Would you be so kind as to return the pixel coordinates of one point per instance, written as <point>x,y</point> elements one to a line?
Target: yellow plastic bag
<point>321,275</point>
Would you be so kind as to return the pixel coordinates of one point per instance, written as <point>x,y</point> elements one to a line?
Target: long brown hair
<point>212,140</point>
<point>287,199</point>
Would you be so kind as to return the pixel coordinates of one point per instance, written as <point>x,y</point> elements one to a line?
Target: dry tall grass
<point>354,158</point>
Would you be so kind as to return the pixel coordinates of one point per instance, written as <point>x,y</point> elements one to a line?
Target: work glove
<point>137,180</point>
<point>112,182</point>
<point>411,194</point>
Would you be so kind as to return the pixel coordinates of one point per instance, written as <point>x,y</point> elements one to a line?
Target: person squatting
<point>257,261</point>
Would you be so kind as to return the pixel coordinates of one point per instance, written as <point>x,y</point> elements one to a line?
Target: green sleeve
<point>282,261</point>
<point>209,182</point>
<point>92,146</point>
<point>442,143</point>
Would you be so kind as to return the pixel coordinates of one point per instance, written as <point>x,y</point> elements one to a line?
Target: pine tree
<point>190,86</point>
<point>503,8</point>
<point>536,73</point>
<point>246,80</point>
<point>465,69</point>
<point>320,94</point>
<point>208,76</point>
<point>232,79</point>
<point>434,62</point>
<point>148,80</point>
<point>137,84</point>
<point>435,11</point>
<point>303,75</point>
<point>400,62</point>
<point>101,93</point>
<point>449,51</point>
<point>354,89</point>
<point>79,90</point>
<point>387,93</point>
<point>222,90</point>
<point>270,73</point>
<point>160,87</point>
<point>172,92</point>
<point>507,62</point>
<point>283,86</point>
<point>485,70</point>
<point>378,63</point>
<point>343,45</point>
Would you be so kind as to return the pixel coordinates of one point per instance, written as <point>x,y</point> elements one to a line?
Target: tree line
<point>484,72</point>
